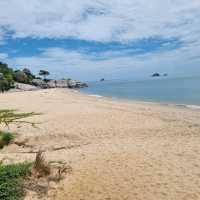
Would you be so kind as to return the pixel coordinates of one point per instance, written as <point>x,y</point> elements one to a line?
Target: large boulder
<point>58,83</point>
<point>65,83</point>
<point>76,84</point>
<point>24,87</point>
<point>40,83</point>
<point>51,83</point>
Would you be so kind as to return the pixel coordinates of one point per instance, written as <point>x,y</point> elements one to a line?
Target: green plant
<point>11,116</point>
<point>6,77</point>
<point>5,138</point>
<point>21,77</point>
<point>12,180</point>
<point>29,74</point>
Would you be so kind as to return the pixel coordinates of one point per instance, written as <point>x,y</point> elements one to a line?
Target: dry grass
<point>40,167</point>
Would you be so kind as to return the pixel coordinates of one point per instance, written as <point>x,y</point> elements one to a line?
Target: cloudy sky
<point>90,39</point>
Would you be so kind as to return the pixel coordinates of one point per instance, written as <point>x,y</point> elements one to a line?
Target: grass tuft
<point>12,180</point>
<point>40,167</point>
<point>6,138</point>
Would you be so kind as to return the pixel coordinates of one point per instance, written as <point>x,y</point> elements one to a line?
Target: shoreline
<point>121,99</point>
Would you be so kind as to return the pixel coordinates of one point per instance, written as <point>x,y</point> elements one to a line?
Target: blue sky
<point>90,39</point>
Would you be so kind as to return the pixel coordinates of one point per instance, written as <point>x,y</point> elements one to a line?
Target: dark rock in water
<point>102,79</point>
<point>156,75</point>
<point>165,74</point>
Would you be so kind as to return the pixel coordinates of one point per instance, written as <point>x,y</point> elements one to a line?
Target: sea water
<point>162,90</point>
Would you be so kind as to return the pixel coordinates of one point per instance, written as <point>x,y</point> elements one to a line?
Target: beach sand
<point>118,150</point>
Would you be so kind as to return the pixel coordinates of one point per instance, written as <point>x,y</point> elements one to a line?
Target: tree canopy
<point>44,73</point>
<point>8,76</point>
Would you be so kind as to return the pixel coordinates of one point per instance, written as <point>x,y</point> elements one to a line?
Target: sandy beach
<point>118,150</point>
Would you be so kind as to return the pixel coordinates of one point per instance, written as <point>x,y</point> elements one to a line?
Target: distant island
<point>158,74</point>
<point>155,75</point>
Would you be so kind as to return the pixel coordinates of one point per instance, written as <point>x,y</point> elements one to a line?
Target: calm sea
<point>162,90</point>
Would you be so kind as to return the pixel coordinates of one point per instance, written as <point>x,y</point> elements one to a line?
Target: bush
<point>12,180</point>
<point>6,78</point>
<point>29,74</point>
<point>21,77</point>
<point>4,85</point>
<point>5,138</point>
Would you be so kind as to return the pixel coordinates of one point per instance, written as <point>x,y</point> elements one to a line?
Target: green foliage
<point>20,77</point>
<point>11,116</point>
<point>6,138</point>
<point>6,78</point>
<point>4,69</point>
<point>12,180</point>
<point>44,73</point>
<point>5,85</point>
<point>29,74</point>
<point>23,76</point>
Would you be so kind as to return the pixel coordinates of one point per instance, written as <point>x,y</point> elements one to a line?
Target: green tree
<point>21,77</point>
<point>44,73</point>
<point>29,74</point>
<point>6,77</point>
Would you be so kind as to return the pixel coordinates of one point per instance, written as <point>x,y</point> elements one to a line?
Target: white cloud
<point>105,21</point>
<point>102,20</point>
<point>64,63</point>
<point>3,56</point>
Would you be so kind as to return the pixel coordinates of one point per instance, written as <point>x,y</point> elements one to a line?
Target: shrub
<point>5,138</point>
<point>21,77</point>
<point>29,74</point>
<point>4,85</point>
<point>12,180</point>
<point>6,78</point>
